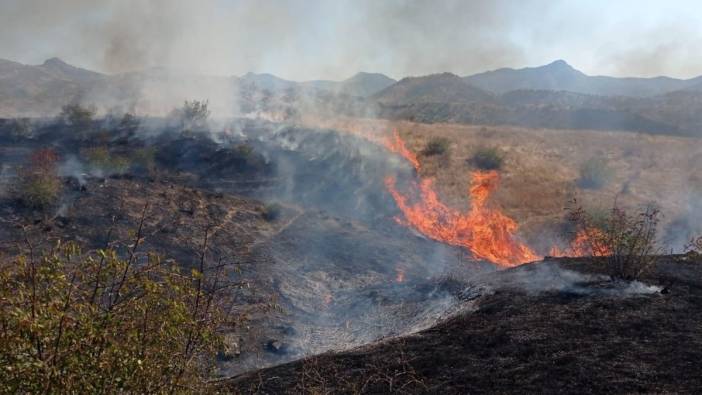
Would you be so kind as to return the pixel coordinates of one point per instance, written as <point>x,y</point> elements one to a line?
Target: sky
<point>334,39</point>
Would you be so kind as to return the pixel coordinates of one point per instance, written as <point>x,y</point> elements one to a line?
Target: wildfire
<point>485,231</point>
<point>399,274</point>
<point>395,144</point>
<point>587,242</point>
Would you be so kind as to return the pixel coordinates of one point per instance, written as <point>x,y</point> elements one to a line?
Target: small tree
<point>78,116</point>
<point>38,185</point>
<point>487,158</point>
<point>628,242</point>
<point>193,115</point>
<point>594,173</point>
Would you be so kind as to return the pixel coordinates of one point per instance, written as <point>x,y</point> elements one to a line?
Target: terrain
<point>550,96</point>
<point>527,330</point>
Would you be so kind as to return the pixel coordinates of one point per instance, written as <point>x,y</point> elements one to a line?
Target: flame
<point>587,242</point>
<point>395,144</point>
<point>399,274</point>
<point>485,231</point>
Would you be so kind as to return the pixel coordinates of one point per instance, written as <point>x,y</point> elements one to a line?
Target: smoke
<point>551,277</point>
<point>334,40</point>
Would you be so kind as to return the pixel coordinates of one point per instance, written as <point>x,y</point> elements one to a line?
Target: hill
<point>527,330</point>
<point>560,76</point>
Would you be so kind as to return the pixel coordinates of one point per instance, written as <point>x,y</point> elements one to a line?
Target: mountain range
<point>555,95</point>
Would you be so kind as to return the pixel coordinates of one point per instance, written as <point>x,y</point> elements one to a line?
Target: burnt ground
<point>520,341</point>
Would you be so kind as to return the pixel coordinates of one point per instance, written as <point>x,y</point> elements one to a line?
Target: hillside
<point>516,336</point>
<point>560,76</point>
<point>435,88</point>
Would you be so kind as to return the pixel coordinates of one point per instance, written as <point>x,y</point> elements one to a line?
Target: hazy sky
<point>333,39</point>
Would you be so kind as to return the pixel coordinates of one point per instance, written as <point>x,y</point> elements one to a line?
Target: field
<point>542,166</point>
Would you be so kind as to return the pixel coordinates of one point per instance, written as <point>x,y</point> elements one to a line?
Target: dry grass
<point>542,165</point>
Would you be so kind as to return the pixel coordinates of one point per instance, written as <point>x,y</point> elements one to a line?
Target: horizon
<point>331,41</point>
<point>397,78</point>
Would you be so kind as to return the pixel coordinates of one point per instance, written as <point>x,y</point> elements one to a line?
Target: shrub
<point>38,185</point>
<point>101,159</point>
<point>193,115</point>
<point>437,146</point>
<point>78,116</point>
<point>98,323</point>
<point>21,128</point>
<point>594,174</point>
<point>627,241</point>
<point>272,211</point>
<point>144,158</point>
<point>487,158</point>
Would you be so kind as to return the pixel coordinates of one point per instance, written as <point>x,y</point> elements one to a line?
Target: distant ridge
<point>560,76</point>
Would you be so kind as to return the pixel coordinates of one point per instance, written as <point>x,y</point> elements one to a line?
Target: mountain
<point>435,88</point>
<point>365,84</point>
<point>560,76</point>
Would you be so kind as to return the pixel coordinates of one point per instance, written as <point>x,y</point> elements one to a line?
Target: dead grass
<point>541,166</point>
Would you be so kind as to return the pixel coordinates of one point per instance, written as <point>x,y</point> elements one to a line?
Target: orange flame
<point>399,274</point>
<point>485,231</point>
<point>395,144</point>
<point>587,242</point>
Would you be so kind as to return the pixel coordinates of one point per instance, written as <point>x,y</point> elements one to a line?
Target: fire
<point>395,144</point>
<point>587,242</point>
<point>399,274</point>
<point>485,231</point>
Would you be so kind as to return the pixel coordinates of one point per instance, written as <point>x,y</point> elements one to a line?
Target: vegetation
<point>193,115</point>
<point>38,185</point>
<point>78,116</point>
<point>437,146</point>
<point>21,128</point>
<point>487,158</point>
<point>101,159</point>
<point>95,322</point>
<point>627,241</point>
<point>272,211</point>
<point>594,173</point>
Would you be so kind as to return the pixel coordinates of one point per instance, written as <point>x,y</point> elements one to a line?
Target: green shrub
<point>38,185</point>
<point>101,159</point>
<point>594,173</point>
<point>98,323</point>
<point>487,158</point>
<point>437,146</point>
<point>145,158</point>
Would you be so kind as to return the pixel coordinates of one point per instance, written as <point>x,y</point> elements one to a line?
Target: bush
<point>78,116</point>
<point>21,128</point>
<point>437,146</point>
<point>38,185</point>
<point>594,174</point>
<point>102,160</point>
<point>628,242</point>
<point>193,115</point>
<point>487,158</point>
<point>98,323</point>
<point>272,211</point>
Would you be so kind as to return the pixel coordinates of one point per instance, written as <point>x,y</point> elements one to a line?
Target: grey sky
<point>306,39</point>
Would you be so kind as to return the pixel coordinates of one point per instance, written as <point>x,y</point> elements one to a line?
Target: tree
<point>193,115</point>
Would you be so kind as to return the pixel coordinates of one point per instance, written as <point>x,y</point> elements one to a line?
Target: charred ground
<point>520,341</point>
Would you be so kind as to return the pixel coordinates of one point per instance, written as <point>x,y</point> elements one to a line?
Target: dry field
<point>541,168</point>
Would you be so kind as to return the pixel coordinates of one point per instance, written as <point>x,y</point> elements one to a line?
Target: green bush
<point>101,159</point>
<point>38,185</point>
<point>437,146</point>
<point>98,323</point>
<point>594,173</point>
<point>487,158</point>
